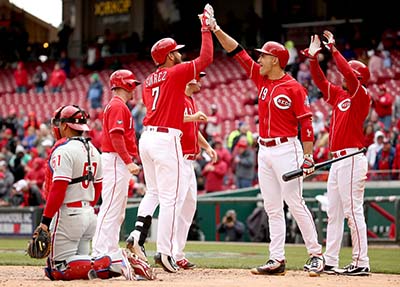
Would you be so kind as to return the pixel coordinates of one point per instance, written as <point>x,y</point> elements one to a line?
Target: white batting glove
<point>314,48</point>
<point>331,40</point>
<point>205,18</point>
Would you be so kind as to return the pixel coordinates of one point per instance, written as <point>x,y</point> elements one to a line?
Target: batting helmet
<point>360,70</point>
<point>123,79</point>
<point>276,49</point>
<point>162,48</point>
<point>73,116</point>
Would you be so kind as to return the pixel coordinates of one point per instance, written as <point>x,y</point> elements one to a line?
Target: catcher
<point>74,183</point>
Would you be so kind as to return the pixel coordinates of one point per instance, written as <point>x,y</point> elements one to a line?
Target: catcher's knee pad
<point>143,225</point>
<point>78,267</point>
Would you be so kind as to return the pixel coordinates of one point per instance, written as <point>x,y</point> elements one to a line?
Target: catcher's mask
<point>73,116</point>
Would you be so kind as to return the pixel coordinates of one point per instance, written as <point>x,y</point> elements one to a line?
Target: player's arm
<point>206,146</point>
<point>226,41</point>
<point>343,66</point>
<point>197,117</point>
<point>54,200</point>
<point>118,142</point>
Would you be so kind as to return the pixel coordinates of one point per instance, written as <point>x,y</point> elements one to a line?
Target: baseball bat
<point>299,172</point>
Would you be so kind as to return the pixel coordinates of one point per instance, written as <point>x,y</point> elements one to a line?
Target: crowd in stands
<point>26,139</point>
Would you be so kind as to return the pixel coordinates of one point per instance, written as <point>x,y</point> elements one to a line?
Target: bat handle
<point>292,175</point>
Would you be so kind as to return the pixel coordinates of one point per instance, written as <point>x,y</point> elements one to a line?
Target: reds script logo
<point>282,102</point>
<point>344,105</point>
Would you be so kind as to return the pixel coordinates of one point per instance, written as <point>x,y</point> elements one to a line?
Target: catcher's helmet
<point>360,70</point>
<point>276,49</point>
<point>73,116</point>
<point>162,48</point>
<point>123,79</point>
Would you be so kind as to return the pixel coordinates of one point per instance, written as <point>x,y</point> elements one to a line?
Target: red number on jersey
<point>85,183</point>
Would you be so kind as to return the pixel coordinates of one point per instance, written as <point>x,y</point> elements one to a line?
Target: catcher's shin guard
<point>78,267</point>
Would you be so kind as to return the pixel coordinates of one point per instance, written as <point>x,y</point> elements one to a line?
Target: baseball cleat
<point>352,270</point>
<point>133,245</point>
<point>141,268</point>
<point>328,269</point>
<point>166,262</point>
<point>272,267</point>
<point>126,269</point>
<point>316,265</point>
<point>185,264</point>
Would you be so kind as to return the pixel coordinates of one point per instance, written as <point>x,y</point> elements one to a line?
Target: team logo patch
<point>119,122</point>
<point>344,105</point>
<point>282,102</point>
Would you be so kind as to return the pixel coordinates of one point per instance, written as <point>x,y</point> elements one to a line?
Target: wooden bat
<point>299,172</point>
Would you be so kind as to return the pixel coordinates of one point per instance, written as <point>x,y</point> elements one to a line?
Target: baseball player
<point>76,173</point>
<point>346,182</point>
<point>118,150</point>
<point>160,143</point>
<point>282,106</point>
<point>192,141</point>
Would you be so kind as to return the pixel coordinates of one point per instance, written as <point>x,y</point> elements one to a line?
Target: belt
<point>157,129</point>
<point>343,152</point>
<point>273,142</point>
<point>163,130</point>
<point>78,204</point>
<point>340,153</point>
<point>190,156</point>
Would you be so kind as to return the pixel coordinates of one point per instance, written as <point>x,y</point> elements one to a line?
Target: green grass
<point>226,255</point>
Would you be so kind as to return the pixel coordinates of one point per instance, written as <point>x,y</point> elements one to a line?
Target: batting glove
<point>314,48</point>
<point>331,40</point>
<point>205,18</point>
<point>308,165</point>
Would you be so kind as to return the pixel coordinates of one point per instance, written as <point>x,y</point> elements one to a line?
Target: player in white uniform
<point>75,188</point>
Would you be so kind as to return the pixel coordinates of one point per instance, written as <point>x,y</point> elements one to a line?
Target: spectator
<point>348,52</point>
<point>36,175</point>
<point>138,113</point>
<point>39,79</point>
<point>383,103</point>
<point>6,182</point>
<point>244,164</point>
<point>21,78</point>
<point>30,139</point>
<point>374,148</point>
<point>214,174</point>
<point>213,126</point>
<point>65,63</point>
<point>243,129</point>
<point>396,161</point>
<point>384,160</point>
<point>31,121</point>
<point>24,194</point>
<point>18,162</point>
<point>375,63</point>
<point>57,79</point>
<point>304,74</point>
<point>95,92</point>
<point>231,227</point>
<point>369,134</point>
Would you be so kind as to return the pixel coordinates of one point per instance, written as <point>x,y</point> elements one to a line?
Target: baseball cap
<point>242,143</point>
<point>19,149</point>
<point>21,184</point>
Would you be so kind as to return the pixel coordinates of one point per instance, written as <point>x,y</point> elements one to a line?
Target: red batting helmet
<point>276,49</point>
<point>123,79</point>
<point>360,70</point>
<point>73,116</point>
<point>162,48</point>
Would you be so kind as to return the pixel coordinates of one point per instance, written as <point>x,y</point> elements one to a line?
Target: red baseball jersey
<point>118,117</point>
<point>281,103</point>
<point>163,90</point>
<point>189,140</point>
<point>349,107</point>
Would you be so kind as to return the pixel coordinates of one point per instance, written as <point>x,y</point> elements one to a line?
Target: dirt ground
<point>27,276</point>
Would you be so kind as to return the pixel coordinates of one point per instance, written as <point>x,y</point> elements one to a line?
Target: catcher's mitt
<point>40,244</point>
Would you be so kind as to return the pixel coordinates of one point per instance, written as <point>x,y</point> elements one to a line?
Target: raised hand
<point>314,48</point>
<point>330,40</point>
<point>205,17</point>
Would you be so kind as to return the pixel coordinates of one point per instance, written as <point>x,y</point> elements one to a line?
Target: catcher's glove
<point>40,244</point>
